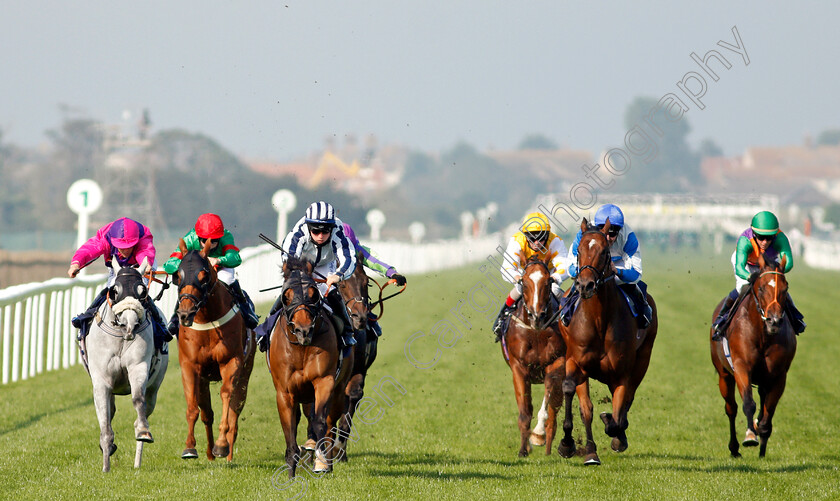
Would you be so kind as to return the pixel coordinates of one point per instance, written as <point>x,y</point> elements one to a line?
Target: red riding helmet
<point>209,226</point>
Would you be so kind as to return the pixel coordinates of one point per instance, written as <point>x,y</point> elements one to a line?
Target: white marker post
<point>466,224</point>
<point>417,230</point>
<point>376,219</point>
<point>84,197</point>
<point>283,202</point>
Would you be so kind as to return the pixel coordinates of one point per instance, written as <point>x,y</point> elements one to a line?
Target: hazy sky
<point>272,79</point>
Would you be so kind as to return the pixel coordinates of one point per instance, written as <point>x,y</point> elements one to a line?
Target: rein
<point>296,282</point>
<point>379,302</point>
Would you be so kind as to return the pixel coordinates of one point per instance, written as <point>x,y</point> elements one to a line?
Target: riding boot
<point>346,337</point>
<point>245,305</point>
<point>722,321</point>
<point>567,304</point>
<point>796,317</point>
<point>373,325</point>
<point>174,325</point>
<point>263,331</point>
<point>161,332</point>
<point>643,309</point>
<point>82,320</point>
<point>500,326</point>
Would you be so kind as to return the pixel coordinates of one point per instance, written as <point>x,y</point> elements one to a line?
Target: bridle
<point>762,311</point>
<point>602,273</point>
<point>297,281</point>
<point>205,289</point>
<point>533,314</point>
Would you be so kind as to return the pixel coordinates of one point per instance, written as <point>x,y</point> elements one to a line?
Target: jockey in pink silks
<point>130,243</point>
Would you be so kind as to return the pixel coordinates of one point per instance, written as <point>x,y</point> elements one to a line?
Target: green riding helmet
<point>765,223</point>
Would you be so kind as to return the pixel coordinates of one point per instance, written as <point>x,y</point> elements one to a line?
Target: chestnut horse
<point>303,358</point>
<point>603,343</point>
<point>213,345</point>
<point>762,344</point>
<point>535,351</point>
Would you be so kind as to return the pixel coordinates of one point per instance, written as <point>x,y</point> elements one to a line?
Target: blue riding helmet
<point>612,212</point>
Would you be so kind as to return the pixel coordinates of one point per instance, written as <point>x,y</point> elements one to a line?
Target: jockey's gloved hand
<point>399,279</point>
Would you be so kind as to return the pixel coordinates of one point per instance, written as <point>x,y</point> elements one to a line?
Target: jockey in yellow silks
<point>534,239</point>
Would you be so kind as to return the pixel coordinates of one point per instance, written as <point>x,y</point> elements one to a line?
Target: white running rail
<point>36,333</point>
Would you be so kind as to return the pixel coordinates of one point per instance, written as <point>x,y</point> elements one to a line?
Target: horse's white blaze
<point>772,283</point>
<point>535,277</point>
<point>592,243</point>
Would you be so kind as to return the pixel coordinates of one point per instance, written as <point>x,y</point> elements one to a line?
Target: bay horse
<point>603,343</point>
<point>354,292</point>
<point>304,360</point>
<point>213,345</point>
<point>535,351</point>
<point>121,359</point>
<point>762,344</point>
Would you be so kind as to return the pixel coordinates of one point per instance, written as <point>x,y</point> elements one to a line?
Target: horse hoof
<point>537,440</point>
<point>221,452</point>
<point>309,445</point>
<point>145,436</point>
<point>592,460</point>
<point>111,449</point>
<point>750,439</point>
<point>618,445</point>
<point>566,451</point>
<point>321,466</point>
<point>189,454</point>
<point>523,453</point>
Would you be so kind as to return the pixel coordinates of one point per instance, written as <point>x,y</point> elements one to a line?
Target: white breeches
<point>226,275</point>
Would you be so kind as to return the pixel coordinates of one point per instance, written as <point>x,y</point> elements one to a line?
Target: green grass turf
<point>453,433</point>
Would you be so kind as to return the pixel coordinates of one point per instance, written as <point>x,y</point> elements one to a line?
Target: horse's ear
<point>182,246</point>
<point>606,226</point>
<point>144,266</point>
<point>584,225</point>
<point>115,265</point>
<point>783,263</point>
<point>761,261</point>
<point>309,267</point>
<point>206,248</point>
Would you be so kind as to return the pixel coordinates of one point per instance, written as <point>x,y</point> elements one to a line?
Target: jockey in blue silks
<point>626,255</point>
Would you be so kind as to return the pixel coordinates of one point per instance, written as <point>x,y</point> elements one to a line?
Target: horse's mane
<point>295,263</point>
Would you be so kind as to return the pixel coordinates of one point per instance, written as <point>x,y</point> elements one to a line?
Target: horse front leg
<point>191,381</point>
<point>726,384</point>
<point>573,377</point>
<point>537,437</point>
<point>323,391</point>
<point>586,416</point>
<point>355,393</point>
<point>238,396</point>
<point>616,422</point>
<point>286,409</point>
<point>222,447</point>
<point>742,379</point>
<point>103,401</point>
<point>553,399</point>
<point>522,390</point>
<point>768,409</point>
<point>137,376</point>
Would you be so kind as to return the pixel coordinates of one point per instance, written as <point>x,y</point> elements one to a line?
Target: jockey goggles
<point>764,237</point>
<point>320,229</point>
<point>613,231</point>
<point>536,236</point>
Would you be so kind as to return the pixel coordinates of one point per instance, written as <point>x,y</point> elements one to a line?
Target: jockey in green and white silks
<point>626,256</point>
<point>223,255</point>
<point>763,236</point>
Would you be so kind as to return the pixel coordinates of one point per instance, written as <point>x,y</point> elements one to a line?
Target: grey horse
<point>122,360</point>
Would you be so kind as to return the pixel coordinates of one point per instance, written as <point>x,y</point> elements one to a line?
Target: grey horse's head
<point>127,296</point>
